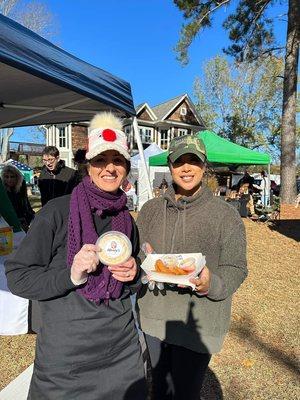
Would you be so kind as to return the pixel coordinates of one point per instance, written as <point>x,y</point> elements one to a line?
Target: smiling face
<point>108,170</point>
<point>187,173</point>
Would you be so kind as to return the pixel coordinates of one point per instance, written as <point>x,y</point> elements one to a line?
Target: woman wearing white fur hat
<point>88,345</point>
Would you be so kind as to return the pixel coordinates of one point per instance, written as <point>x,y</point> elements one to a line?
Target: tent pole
<point>141,152</point>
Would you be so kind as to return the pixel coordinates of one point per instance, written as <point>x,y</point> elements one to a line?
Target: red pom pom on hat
<point>109,135</point>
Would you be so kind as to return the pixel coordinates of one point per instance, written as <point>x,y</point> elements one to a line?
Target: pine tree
<point>250,29</point>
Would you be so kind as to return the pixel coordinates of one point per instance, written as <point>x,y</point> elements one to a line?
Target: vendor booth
<point>43,84</point>
<point>220,152</point>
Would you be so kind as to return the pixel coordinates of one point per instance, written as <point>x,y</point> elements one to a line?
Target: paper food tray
<point>148,267</point>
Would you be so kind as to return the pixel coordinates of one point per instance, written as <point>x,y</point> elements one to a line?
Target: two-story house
<point>158,124</point>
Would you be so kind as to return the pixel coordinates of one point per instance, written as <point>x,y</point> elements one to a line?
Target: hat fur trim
<point>106,120</point>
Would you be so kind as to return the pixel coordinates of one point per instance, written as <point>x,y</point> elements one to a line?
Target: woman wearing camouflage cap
<point>183,328</point>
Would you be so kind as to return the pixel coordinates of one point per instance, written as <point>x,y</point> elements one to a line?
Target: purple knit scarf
<point>87,199</point>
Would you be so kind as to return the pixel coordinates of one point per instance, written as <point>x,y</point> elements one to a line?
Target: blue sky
<point>134,39</point>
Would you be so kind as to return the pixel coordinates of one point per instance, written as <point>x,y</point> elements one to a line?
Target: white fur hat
<point>106,134</point>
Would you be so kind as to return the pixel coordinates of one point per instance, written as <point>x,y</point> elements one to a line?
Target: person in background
<point>164,185</point>
<point>36,174</point>
<point>7,210</point>
<point>16,189</point>
<point>183,327</point>
<point>80,163</point>
<point>246,179</point>
<point>264,188</point>
<point>246,201</point>
<point>56,179</point>
<point>88,346</point>
<point>130,193</point>
<point>247,194</point>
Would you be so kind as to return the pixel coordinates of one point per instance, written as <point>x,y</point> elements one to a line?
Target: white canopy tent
<point>141,175</point>
<point>151,150</point>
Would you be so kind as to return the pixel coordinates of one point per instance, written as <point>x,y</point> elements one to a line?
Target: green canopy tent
<point>220,151</point>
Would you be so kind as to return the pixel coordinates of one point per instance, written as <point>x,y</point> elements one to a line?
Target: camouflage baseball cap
<point>186,144</point>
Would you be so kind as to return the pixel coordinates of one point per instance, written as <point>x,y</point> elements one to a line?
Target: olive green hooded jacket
<point>200,223</point>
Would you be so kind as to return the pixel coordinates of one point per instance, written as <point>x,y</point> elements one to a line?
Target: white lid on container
<point>115,248</point>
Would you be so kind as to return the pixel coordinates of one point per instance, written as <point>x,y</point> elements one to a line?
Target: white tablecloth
<point>13,309</point>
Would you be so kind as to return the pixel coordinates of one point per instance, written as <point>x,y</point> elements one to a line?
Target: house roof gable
<point>185,98</point>
<point>145,107</point>
<point>164,110</point>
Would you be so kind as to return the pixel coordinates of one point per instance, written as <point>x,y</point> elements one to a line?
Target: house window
<point>62,137</point>
<point>164,142</point>
<point>146,135</point>
<point>183,111</point>
<point>182,132</point>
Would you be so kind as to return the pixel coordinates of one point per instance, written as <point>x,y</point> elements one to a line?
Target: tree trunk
<point>5,136</point>
<point>288,134</point>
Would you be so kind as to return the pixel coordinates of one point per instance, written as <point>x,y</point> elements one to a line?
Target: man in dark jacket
<point>246,179</point>
<point>55,179</point>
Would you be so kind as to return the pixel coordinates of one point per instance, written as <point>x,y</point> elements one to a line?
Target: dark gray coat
<point>57,183</point>
<point>84,350</point>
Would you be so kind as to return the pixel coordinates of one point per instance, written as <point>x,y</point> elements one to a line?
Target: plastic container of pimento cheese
<point>115,248</point>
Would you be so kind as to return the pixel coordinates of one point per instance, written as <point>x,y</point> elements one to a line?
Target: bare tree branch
<point>6,6</point>
<point>222,3</point>
<point>253,22</point>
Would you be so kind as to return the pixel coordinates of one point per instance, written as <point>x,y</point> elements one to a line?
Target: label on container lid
<point>115,248</point>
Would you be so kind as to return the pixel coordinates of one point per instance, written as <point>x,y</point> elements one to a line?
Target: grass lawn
<point>259,358</point>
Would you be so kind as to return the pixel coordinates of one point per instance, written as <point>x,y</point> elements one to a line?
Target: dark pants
<point>177,373</point>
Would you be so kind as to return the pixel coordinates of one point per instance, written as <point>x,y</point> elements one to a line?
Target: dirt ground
<point>259,360</point>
